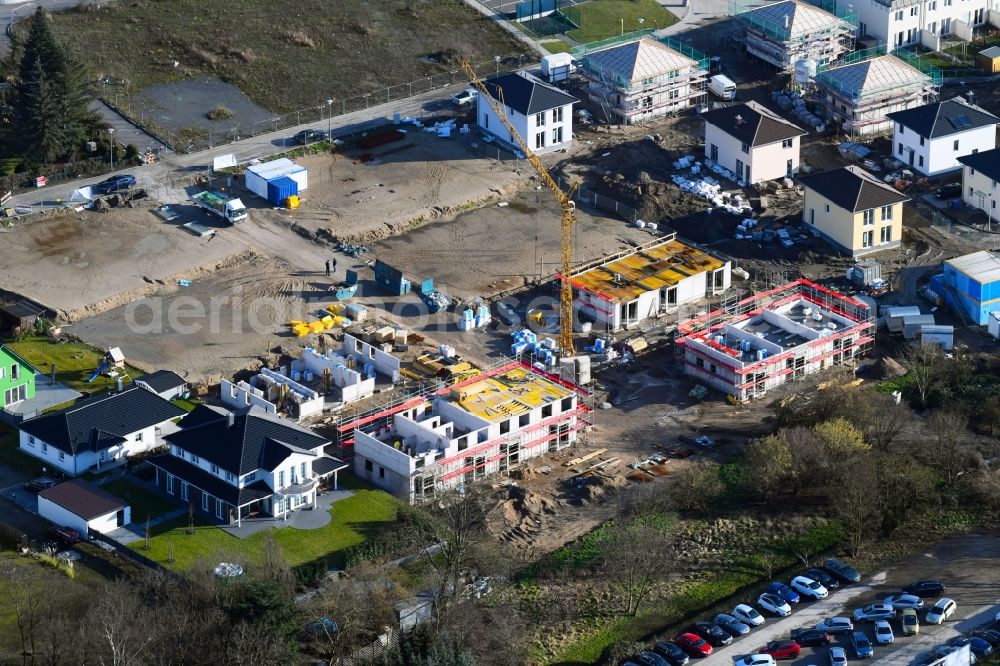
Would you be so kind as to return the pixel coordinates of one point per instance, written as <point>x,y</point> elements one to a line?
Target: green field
<point>74,362</point>
<point>601,19</point>
<point>354,520</point>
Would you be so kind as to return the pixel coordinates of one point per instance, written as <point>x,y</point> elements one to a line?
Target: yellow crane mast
<point>565,203</point>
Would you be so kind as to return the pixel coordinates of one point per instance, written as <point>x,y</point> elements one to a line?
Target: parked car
<point>883,633</point>
<point>694,645</point>
<point>862,646</point>
<point>838,656</point>
<point>949,191</point>
<point>909,621</point>
<point>64,535</point>
<point>648,658</point>
<point>991,636</point>
<point>783,591</point>
<point>873,612</point>
<point>711,632</point>
<point>756,660</point>
<point>823,578</point>
<point>925,588</point>
<point>732,625</point>
<point>748,615</point>
<point>810,588</point>
<point>114,184</point>
<point>941,611</point>
<point>308,136</point>
<point>40,484</point>
<point>979,646</point>
<point>772,603</point>
<point>467,96</point>
<point>902,600</point>
<point>842,570</point>
<point>942,651</point>
<point>324,626</point>
<point>672,653</point>
<point>784,649</point>
<point>835,625</point>
<point>811,637</point>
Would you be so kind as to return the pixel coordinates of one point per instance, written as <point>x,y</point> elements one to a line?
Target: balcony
<point>298,487</point>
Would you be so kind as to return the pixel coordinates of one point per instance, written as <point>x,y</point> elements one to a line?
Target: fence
<point>983,240</point>
<point>586,197</point>
<point>133,109</point>
<point>120,549</point>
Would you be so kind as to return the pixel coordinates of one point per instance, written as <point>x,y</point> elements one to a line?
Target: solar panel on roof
<point>960,122</point>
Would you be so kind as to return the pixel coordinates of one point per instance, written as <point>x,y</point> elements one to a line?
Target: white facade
<point>61,516</point>
<point>923,22</point>
<point>72,465</point>
<point>980,191</point>
<point>753,164</point>
<point>543,132</point>
<point>933,157</point>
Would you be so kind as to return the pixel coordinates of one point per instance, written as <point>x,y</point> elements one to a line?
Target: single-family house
<point>980,175</point>
<point>931,138</point>
<point>541,113</point>
<point>786,32</point>
<point>164,383</point>
<point>753,142</point>
<point>17,378</point>
<point>99,431</point>
<point>83,506</point>
<point>231,467</point>
<point>921,22</point>
<point>853,210</point>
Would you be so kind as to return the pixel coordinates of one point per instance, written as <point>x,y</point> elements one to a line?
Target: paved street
<point>11,13</point>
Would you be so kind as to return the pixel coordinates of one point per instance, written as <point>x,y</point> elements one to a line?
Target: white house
<point>164,383</point>
<point>931,138</point>
<point>541,113</point>
<point>905,22</point>
<point>235,466</point>
<point>84,507</point>
<point>752,142</point>
<point>980,175</point>
<point>99,431</point>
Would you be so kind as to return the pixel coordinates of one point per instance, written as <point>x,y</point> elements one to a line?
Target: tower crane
<point>565,203</point>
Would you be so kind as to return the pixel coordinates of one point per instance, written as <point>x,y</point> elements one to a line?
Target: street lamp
<point>111,135</point>
<point>497,58</point>
<point>641,21</point>
<point>329,117</point>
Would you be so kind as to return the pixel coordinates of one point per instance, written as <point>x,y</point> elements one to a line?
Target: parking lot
<point>965,563</point>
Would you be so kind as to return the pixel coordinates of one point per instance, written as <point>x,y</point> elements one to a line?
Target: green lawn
<point>74,362</point>
<point>557,46</point>
<point>354,520</point>
<point>186,405</point>
<point>600,19</point>
<point>144,503</point>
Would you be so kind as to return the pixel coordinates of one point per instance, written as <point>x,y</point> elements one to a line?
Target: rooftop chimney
<point>786,21</point>
<point>118,384</point>
<point>739,120</point>
<point>230,419</point>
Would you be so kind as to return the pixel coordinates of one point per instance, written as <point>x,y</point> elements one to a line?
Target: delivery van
<point>722,86</point>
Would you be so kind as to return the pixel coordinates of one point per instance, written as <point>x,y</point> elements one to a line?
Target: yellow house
<point>853,210</point>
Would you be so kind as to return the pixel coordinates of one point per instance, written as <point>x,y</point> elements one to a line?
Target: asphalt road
<point>11,13</point>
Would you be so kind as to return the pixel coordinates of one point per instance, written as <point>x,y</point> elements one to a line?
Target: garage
<point>83,506</point>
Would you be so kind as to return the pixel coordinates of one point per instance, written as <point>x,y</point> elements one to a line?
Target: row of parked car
<point>701,638</point>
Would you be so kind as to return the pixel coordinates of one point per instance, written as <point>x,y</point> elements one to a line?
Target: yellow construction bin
<point>295,322</point>
<point>316,326</point>
<point>336,308</point>
<point>300,330</point>
<point>292,201</point>
<point>327,322</point>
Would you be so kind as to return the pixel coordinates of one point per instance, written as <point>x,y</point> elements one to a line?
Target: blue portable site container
<point>279,189</point>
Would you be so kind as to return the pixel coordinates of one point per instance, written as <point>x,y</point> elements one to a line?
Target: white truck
<point>465,98</point>
<point>722,87</point>
<point>231,210</point>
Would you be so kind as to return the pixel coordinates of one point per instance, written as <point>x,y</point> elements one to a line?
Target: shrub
<point>220,112</point>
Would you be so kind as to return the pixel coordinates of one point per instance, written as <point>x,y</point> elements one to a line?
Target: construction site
<point>793,33</point>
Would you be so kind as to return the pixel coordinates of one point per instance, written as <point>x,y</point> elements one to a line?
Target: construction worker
<point>328,268</point>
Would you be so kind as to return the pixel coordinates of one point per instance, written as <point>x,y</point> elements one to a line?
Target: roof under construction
<point>791,19</point>
<point>870,76</point>
<point>511,393</point>
<point>625,278</point>
<point>638,60</point>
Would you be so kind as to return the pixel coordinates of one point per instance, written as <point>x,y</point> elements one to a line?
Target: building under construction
<point>622,290</point>
<point>774,337</point>
<point>790,32</point>
<point>454,435</point>
<point>637,77</point>
<point>858,94</point>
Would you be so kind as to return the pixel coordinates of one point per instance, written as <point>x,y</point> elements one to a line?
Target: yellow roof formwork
<point>511,393</point>
<point>624,279</point>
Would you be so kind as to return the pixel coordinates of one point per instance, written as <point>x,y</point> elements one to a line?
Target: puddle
<point>522,207</point>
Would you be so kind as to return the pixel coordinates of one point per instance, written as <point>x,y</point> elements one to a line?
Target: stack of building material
<point>476,316</point>
<point>526,342</point>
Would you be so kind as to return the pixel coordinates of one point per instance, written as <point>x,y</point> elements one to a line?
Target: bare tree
<point>852,500</point>
<point>120,625</point>
<point>883,420</point>
<point>926,370</point>
<point>695,486</point>
<point>902,484</point>
<point>24,600</point>
<point>943,451</point>
<point>635,558</point>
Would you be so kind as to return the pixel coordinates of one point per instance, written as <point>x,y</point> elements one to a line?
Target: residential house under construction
<point>771,338</point>
<point>790,32</point>
<point>656,278</point>
<point>467,431</point>
<point>857,95</point>
<point>642,78</point>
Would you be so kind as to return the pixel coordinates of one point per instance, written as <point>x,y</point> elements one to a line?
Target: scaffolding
<point>867,85</point>
<point>727,368</point>
<point>637,76</point>
<point>784,33</point>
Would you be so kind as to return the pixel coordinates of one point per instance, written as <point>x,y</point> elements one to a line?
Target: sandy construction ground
<point>80,263</point>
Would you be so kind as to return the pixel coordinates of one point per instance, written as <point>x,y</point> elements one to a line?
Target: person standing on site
<point>328,268</point>
<point>334,264</point>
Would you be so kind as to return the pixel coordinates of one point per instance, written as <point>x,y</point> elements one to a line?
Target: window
<point>901,149</point>
<point>31,440</point>
<point>302,469</point>
<point>866,238</point>
<point>504,427</point>
<point>920,160</point>
<point>3,372</point>
<point>955,146</point>
<point>170,484</point>
<point>886,235</point>
<point>913,10</point>
<point>179,452</point>
<point>524,420</point>
<point>899,15</point>
<point>567,404</point>
<point>45,447</point>
<point>218,508</point>
<point>250,477</point>
<point>62,456</point>
<point>745,148</point>
<point>972,172</point>
<point>138,436</point>
<point>546,411</point>
<point>368,465</point>
<point>215,469</point>
<point>15,371</point>
<point>788,143</point>
<point>194,459</point>
<point>230,477</point>
<point>540,140</point>
<point>557,135</point>
<point>557,115</point>
<point>970,194</point>
<point>647,102</point>
<point>486,120</point>
<point>921,141</point>
<point>540,119</point>
<point>674,94</point>
<point>184,490</point>
<point>204,501</point>
<point>886,213</point>
<point>994,184</point>
<point>869,217</point>
<point>381,472</point>
<point>931,6</point>
<point>281,479</point>
<point>828,208</point>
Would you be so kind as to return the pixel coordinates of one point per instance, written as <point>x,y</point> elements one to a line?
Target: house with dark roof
<point>232,467</point>
<point>99,432</point>
<point>83,506</point>
<point>164,383</point>
<point>20,316</point>
<point>853,210</point>
<point>541,113</point>
<point>980,175</point>
<point>753,142</point>
<point>931,138</point>
<point>17,378</point>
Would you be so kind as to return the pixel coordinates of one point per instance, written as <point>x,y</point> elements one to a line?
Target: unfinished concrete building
<point>642,78</point>
<point>470,430</point>
<point>654,279</point>
<point>789,32</point>
<point>774,337</point>
<point>857,94</point>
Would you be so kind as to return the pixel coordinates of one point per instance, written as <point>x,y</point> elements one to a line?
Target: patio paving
<point>47,394</point>
<point>300,519</point>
